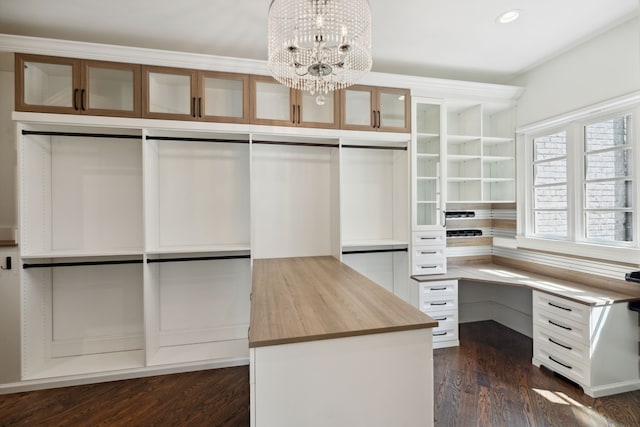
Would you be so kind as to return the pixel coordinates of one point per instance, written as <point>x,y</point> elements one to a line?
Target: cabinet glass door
<point>225,97</point>
<point>169,93</point>
<point>272,103</point>
<point>427,165</point>
<point>46,84</point>
<point>316,115</point>
<point>393,113</point>
<point>357,108</point>
<point>111,89</point>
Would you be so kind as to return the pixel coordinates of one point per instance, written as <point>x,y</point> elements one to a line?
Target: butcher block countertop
<point>314,298</point>
<point>578,291</point>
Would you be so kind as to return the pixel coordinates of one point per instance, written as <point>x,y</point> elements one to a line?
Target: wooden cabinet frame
<point>375,107</point>
<point>80,91</point>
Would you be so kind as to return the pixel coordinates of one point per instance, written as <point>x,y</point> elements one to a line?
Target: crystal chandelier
<point>319,45</point>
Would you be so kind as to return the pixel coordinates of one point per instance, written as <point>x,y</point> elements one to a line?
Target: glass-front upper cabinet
<point>73,86</point>
<point>427,161</point>
<point>275,104</point>
<point>375,108</point>
<point>183,94</point>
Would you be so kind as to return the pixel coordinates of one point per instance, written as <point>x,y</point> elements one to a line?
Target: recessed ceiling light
<point>508,16</point>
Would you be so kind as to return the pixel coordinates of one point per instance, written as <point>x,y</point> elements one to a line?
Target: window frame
<point>576,243</point>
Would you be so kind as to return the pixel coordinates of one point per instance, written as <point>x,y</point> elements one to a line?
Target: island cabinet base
<point>383,380</point>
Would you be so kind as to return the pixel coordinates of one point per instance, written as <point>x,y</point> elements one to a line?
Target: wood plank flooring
<point>487,381</point>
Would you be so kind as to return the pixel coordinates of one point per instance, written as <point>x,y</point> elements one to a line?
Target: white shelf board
<point>427,155</point>
<point>83,254</point>
<point>461,158</point>
<point>240,247</point>
<point>427,135</point>
<point>463,179</point>
<point>488,159</point>
<point>90,363</point>
<point>489,179</point>
<point>427,178</point>
<point>372,243</point>
<point>219,351</point>
<point>494,140</point>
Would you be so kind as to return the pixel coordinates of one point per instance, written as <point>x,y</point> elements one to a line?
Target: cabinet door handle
<point>200,107</point>
<point>560,326</point>
<point>561,345</point>
<point>560,363</point>
<point>83,94</point>
<point>439,334</point>
<point>75,99</point>
<point>440,319</point>
<point>373,118</point>
<point>293,114</point>
<point>438,289</point>
<point>193,106</point>
<point>298,114</point>
<point>378,119</point>
<point>560,307</point>
<point>438,303</point>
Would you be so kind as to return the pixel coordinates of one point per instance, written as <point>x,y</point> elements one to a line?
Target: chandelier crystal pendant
<point>319,46</point>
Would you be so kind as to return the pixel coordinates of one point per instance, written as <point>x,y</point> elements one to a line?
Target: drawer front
<point>440,304</point>
<point>439,289</point>
<point>563,348</point>
<point>561,308</point>
<point>430,268</point>
<point>443,317</point>
<point>446,332</point>
<point>556,326</point>
<point>430,238</point>
<point>426,254</point>
<point>577,372</point>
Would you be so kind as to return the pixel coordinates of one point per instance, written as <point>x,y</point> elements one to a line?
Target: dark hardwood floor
<point>487,381</point>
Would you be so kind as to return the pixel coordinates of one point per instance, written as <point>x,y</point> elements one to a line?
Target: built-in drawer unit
<point>439,299</point>
<point>428,252</point>
<point>587,344</point>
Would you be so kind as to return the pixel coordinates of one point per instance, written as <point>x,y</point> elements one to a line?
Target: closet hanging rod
<point>80,263</point>
<point>374,251</point>
<point>302,144</point>
<point>193,139</point>
<point>199,258</point>
<point>374,147</point>
<point>82,134</point>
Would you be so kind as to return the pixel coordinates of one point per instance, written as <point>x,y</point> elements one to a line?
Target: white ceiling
<point>457,39</point>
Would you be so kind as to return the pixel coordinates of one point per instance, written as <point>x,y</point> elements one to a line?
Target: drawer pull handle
<point>561,345</point>
<point>560,363</point>
<point>428,238</point>
<point>438,289</point>
<point>560,307</point>
<point>428,252</point>
<point>437,303</point>
<point>439,334</point>
<point>440,319</point>
<point>560,326</point>
<point>426,267</point>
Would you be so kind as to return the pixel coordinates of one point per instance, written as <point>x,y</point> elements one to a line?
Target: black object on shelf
<point>460,214</point>
<point>464,233</point>
<point>634,306</point>
<point>633,276</point>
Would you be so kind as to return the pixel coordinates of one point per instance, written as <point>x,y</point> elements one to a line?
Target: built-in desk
<point>583,332</point>
<point>329,347</point>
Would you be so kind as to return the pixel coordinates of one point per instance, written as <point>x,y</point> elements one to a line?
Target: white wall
<point>601,68</point>
<point>7,158</point>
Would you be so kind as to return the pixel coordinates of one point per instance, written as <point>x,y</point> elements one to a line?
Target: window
<point>550,203</point>
<point>580,185</point>
<point>608,189</point>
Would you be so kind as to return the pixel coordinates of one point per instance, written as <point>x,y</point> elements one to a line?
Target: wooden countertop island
<point>315,298</point>
<point>329,347</point>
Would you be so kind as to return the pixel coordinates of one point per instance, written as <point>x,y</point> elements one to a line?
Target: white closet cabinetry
<point>480,152</point>
<point>374,202</point>
<point>135,246</point>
